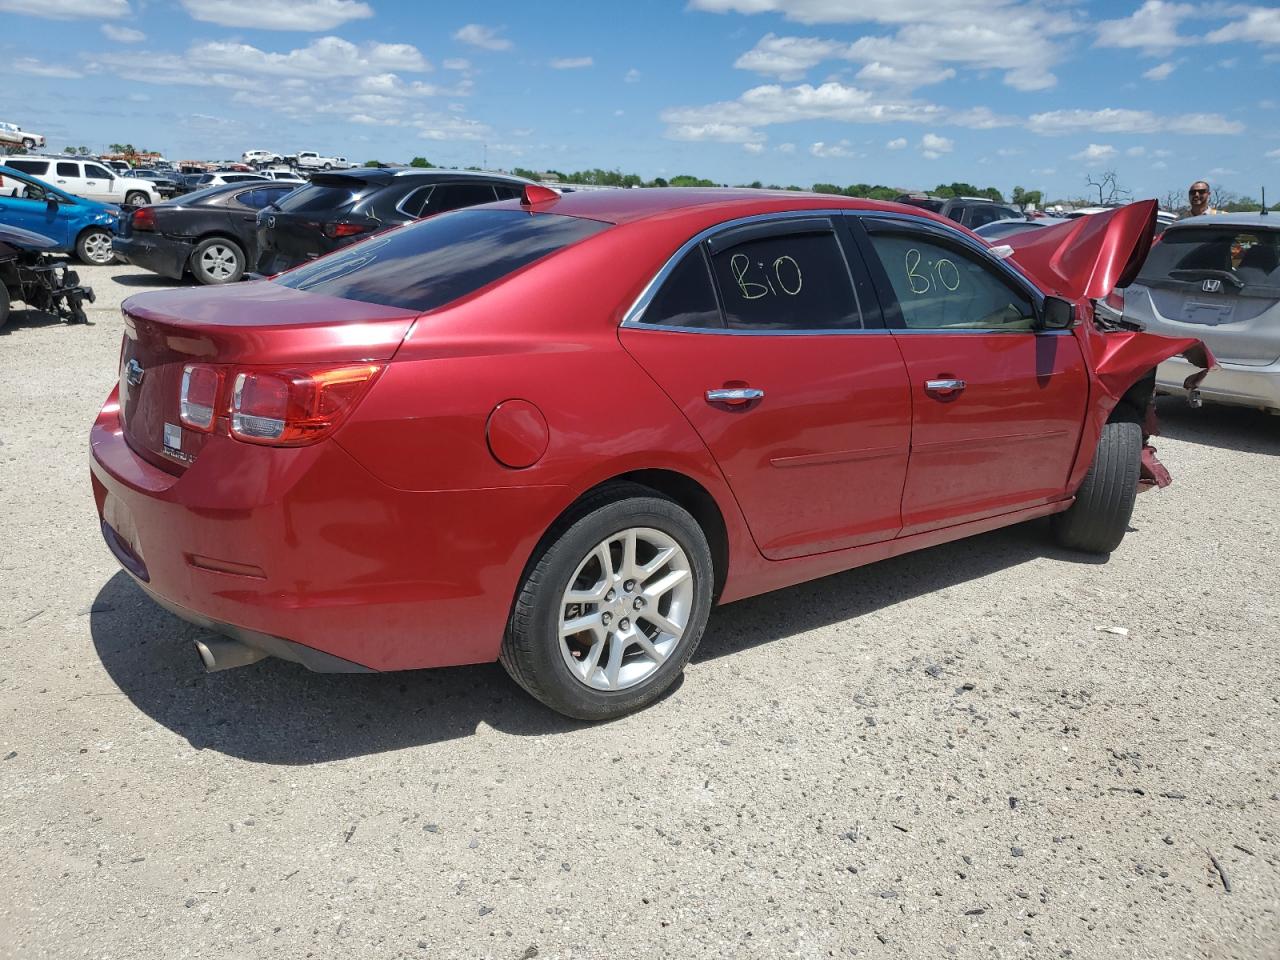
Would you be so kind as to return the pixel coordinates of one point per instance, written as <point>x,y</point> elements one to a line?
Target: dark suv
<point>339,208</point>
<point>971,212</point>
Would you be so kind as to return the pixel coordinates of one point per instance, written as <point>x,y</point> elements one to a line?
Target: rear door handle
<point>734,395</point>
<point>944,387</point>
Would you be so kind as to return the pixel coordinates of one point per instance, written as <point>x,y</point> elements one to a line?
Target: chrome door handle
<point>734,395</point>
<point>944,386</point>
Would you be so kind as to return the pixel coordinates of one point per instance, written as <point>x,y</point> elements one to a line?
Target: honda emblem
<point>1212,286</point>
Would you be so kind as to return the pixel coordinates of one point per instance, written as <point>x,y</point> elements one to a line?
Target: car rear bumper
<point>166,256</point>
<point>303,554</point>
<point>1230,383</point>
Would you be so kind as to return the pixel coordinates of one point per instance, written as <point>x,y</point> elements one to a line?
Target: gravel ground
<point>940,755</point>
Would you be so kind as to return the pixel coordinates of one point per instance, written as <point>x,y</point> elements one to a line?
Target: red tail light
<point>335,230</point>
<point>198,401</point>
<point>296,407</point>
<point>144,218</point>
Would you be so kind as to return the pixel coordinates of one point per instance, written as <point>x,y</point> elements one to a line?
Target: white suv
<point>87,178</point>
<point>256,157</point>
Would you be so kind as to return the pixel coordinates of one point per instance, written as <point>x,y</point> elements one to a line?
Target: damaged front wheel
<point>1097,521</point>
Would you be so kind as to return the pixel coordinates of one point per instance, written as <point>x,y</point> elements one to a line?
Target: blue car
<point>75,225</point>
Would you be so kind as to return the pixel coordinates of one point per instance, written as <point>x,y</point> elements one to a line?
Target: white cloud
<point>1223,172</point>
<point>631,76</point>
<point>486,38</point>
<point>933,146</point>
<point>1153,27</point>
<point>1113,120</point>
<point>1159,165</point>
<point>457,63</point>
<point>324,57</point>
<point>571,63</point>
<point>37,68</point>
<point>1160,71</point>
<point>1135,151</point>
<point>1260,25</point>
<point>788,57</point>
<point>309,15</point>
<point>753,148</point>
<point>831,150</point>
<point>122,34</point>
<point>1018,38</point>
<point>786,148</point>
<point>68,9</point>
<point>716,132</point>
<point>897,143</point>
<point>1273,154</point>
<point>1096,154</point>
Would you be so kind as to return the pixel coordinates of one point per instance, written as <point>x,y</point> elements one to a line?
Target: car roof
<point>1230,220</point>
<point>629,205</point>
<point>386,174</point>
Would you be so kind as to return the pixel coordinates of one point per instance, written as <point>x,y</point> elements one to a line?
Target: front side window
<point>433,262</point>
<point>938,287</point>
<point>686,298</point>
<point>782,281</point>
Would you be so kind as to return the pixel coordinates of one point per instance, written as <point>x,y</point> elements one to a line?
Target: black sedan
<point>339,208</point>
<point>209,233</point>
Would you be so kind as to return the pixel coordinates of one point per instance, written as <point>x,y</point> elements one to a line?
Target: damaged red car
<point>557,431</point>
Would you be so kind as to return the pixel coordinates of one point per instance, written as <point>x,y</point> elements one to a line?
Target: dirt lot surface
<point>989,749</point>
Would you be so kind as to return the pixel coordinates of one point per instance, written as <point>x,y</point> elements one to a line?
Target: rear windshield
<point>435,261</point>
<point>1242,260</point>
<point>322,196</point>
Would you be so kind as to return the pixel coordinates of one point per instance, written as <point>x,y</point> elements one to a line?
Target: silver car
<point>1217,277</point>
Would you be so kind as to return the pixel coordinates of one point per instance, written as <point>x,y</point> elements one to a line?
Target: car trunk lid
<point>239,326</point>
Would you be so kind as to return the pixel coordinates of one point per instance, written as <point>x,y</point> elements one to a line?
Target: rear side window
<point>784,281</point>
<point>411,206</point>
<point>455,196</point>
<point>37,168</point>
<point>92,170</point>
<point>429,264</point>
<point>686,298</point>
<point>323,197</point>
<point>1239,260</point>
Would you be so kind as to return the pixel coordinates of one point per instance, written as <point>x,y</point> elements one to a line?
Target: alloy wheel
<point>218,262</point>
<point>626,609</point>
<point>97,247</point>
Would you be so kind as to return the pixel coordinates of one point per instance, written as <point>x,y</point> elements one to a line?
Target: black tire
<point>1097,521</point>
<point>137,198</point>
<point>328,166</point>
<point>531,651</point>
<point>90,248</point>
<point>4,304</point>
<point>217,260</point>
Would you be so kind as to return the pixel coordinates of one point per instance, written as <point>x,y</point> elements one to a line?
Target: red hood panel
<point>1090,256</point>
<point>264,322</point>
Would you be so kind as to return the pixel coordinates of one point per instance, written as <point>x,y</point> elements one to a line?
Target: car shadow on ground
<point>277,712</point>
<point>146,280</point>
<point>1215,425</point>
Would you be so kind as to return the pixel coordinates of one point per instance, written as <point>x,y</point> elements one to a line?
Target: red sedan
<point>557,431</point>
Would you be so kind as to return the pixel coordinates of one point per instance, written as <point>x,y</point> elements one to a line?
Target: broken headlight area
<point>42,283</point>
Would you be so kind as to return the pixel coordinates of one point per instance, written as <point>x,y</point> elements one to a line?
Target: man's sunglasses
<point>1194,192</point>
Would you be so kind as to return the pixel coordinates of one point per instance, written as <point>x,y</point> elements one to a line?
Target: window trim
<point>872,314</point>
<point>894,223</point>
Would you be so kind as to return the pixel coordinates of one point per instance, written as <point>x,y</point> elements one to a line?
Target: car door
<point>101,183</point>
<point>28,207</point>
<point>998,404</point>
<point>767,337</point>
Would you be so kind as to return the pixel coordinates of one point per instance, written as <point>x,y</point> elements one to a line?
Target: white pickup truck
<point>310,160</point>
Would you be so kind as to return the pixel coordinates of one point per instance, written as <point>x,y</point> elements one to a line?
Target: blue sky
<point>908,93</point>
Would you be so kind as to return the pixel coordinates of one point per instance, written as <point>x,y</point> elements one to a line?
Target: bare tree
<point>1108,187</point>
<point>1174,201</point>
<point>1220,196</point>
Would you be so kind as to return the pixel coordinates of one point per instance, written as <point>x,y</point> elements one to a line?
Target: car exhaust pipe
<point>223,653</point>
